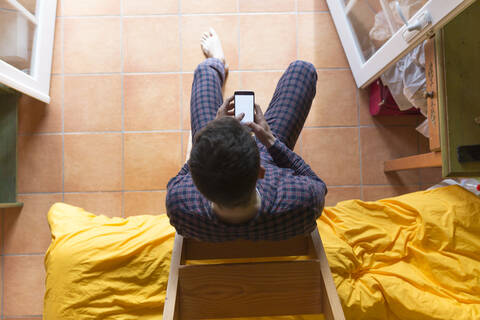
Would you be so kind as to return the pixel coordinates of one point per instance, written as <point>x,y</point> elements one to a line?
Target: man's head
<point>225,162</point>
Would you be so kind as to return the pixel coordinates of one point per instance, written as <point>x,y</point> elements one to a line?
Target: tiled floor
<point>117,127</point>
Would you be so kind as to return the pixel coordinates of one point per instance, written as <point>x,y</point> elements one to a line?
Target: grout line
<point>39,193</point>
<point>357,99</point>
<point>9,10</point>
<point>238,44</point>
<point>93,192</point>
<point>92,17</point>
<point>101,132</point>
<point>121,73</point>
<point>180,78</point>
<point>67,192</point>
<point>371,185</point>
<point>300,148</point>
<point>358,126</point>
<point>300,137</point>
<point>25,316</point>
<point>122,59</point>
<point>296,28</point>
<point>186,130</point>
<point>195,14</point>
<point>63,140</point>
<point>153,190</point>
<point>62,103</point>
<point>90,192</point>
<point>24,254</point>
<point>186,72</point>
<point>141,131</point>
<point>164,190</point>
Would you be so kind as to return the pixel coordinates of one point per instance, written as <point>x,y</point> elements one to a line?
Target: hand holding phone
<point>244,103</point>
<point>261,128</point>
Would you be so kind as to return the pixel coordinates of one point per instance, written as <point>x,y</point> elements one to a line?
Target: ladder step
<point>250,289</point>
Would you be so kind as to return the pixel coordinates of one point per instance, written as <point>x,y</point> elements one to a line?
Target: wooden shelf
<point>426,160</point>
<point>11,205</point>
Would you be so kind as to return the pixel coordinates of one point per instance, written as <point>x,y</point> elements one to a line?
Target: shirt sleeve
<point>286,158</point>
<point>173,186</point>
<point>177,193</point>
<point>185,169</point>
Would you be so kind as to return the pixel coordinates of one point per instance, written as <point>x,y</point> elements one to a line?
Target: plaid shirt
<point>292,199</point>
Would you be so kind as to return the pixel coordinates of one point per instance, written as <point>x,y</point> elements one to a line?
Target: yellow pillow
<point>106,268</point>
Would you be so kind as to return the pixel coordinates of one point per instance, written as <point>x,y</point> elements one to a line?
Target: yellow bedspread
<point>416,256</point>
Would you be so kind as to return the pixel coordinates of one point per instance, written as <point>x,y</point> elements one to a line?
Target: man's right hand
<point>227,109</point>
<point>261,128</point>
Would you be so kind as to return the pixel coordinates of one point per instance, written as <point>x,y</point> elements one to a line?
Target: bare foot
<point>212,47</point>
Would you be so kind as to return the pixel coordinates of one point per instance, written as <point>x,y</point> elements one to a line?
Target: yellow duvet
<point>415,256</point>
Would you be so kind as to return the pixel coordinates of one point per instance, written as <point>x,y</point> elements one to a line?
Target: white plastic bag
<point>423,128</point>
<point>470,184</point>
<point>414,79</point>
<point>406,80</point>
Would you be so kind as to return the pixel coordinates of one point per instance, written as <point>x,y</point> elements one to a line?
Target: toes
<point>212,31</point>
<point>207,53</point>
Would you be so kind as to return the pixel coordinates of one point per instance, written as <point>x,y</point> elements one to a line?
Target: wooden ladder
<point>299,284</point>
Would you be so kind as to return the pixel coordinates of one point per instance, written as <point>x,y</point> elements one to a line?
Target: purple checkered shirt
<point>292,196</point>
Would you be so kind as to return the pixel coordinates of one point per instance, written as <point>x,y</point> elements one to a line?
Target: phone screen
<point>244,102</point>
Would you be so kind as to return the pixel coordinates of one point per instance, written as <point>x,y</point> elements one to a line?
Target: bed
<point>416,256</point>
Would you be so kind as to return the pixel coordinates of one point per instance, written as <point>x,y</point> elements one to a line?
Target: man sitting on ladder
<point>237,187</point>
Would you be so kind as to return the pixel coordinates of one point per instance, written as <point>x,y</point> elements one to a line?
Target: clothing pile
<point>406,80</point>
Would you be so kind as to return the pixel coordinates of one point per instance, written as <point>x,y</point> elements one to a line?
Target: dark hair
<point>224,162</point>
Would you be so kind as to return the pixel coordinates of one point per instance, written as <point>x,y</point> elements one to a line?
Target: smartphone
<point>244,103</point>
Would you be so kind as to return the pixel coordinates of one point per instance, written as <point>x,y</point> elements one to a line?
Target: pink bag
<point>382,102</point>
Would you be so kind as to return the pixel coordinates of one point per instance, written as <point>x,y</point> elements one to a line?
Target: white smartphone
<point>244,103</point>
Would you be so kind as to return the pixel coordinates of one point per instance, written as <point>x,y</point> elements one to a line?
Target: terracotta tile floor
<point>117,127</point>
